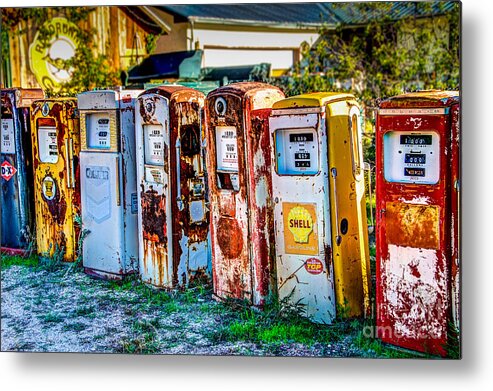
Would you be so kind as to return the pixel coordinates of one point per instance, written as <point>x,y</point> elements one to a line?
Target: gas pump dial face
<point>154,144</point>
<point>8,136</point>
<point>48,147</point>
<point>297,151</point>
<point>411,157</point>
<point>98,131</point>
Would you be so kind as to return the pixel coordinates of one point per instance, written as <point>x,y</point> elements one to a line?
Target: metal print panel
<point>268,179</point>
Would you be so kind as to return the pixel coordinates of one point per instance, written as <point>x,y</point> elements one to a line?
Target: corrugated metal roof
<point>308,14</point>
<point>363,12</point>
<point>278,13</point>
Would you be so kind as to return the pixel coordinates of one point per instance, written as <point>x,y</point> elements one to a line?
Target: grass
<point>16,260</point>
<point>145,344</point>
<point>277,324</point>
<point>84,310</point>
<point>51,317</point>
<point>145,339</point>
<point>77,326</point>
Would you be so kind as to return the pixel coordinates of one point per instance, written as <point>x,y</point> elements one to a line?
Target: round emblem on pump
<point>220,106</point>
<point>45,110</point>
<point>314,266</point>
<point>49,188</point>
<point>150,107</point>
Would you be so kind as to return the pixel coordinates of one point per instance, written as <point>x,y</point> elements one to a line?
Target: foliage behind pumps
<point>382,53</point>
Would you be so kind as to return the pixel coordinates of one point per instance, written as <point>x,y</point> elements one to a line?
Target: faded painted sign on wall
<point>48,57</point>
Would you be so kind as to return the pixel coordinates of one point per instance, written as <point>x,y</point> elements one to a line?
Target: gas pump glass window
<point>297,151</point>
<point>154,145</point>
<point>98,130</point>
<point>47,140</point>
<point>227,158</point>
<point>412,157</point>
<point>190,140</point>
<point>8,136</point>
<point>355,145</point>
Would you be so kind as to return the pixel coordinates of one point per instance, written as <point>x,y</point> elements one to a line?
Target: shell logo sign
<point>300,228</point>
<point>300,223</point>
<point>48,57</point>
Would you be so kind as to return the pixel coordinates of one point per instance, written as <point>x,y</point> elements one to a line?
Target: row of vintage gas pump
<point>263,194</point>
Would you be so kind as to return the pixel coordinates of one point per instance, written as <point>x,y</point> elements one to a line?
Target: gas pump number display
<point>8,140</point>
<point>227,149</point>
<point>98,131</point>
<point>297,152</point>
<point>154,145</point>
<point>48,147</point>
<point>411,157</point>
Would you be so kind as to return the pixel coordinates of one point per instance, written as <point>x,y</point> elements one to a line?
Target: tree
<point>380,49</point>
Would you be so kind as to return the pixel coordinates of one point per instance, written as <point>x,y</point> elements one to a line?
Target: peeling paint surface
<point>57,185</point>
<point>241,204</point>
<point>108,184</point>
<point>418,231</point>
<point>17,197</point>
<point>415,292</point>
<point>175,232</point>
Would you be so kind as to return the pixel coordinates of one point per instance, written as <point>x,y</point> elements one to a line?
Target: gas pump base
<point>101,275</point>
<point>21,252</point>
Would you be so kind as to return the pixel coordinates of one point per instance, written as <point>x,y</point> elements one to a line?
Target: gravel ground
<point>67,311</point>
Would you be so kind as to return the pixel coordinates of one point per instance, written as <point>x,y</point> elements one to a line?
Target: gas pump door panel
<point>48,147</point>
<point>411,157</point>
<point>297,151</point>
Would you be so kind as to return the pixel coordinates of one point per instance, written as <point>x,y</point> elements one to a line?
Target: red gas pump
<point>418,173</point>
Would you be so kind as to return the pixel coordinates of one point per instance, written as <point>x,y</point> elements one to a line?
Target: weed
<point>379,349</point>
<point>37,300</point>
<point>373,250</point>
<point>126,284</point>
<point>453,341</point>
<point>153,297</point>
<point>77,326</point>
<point>145,344</point>
<point>343,311</point>
<point>82,234</point>
<point>278,323</point>
<point>147,340</point>
<point>146,326</point>
<point>189,296</point>
<point>170,307</point>
<point>52,263</point>
<point>85,310</point>
<point>51,317</point>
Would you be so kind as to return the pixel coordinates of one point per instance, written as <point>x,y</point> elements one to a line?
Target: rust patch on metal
<point>154,233</point>
<point>328,258</point>
<point>413,225</point>
<point>185,125</point>
<point>6,105</point>
<point>54,215</point>
<point>154,216</point>
<point>229,237</point>
<point>57,207</point>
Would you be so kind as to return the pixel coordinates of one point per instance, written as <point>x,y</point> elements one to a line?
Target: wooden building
<point>39,46</point>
